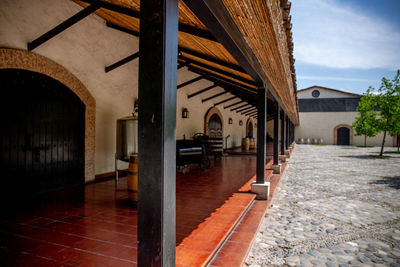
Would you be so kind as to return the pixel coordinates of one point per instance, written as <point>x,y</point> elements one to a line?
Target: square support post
<point>282,133</point>
<point>261,187</point>
<point>276,167</point>
<point>287,132</point>
<point>158,48</point>
<point>261,134</point>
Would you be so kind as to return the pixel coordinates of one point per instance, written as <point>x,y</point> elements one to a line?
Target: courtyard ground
<point>335,206</point>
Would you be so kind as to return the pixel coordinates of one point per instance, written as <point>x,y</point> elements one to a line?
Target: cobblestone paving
<point>333,207</point>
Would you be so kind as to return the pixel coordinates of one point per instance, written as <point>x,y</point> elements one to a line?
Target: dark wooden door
<point>42,136</point>
<point>343,136</point>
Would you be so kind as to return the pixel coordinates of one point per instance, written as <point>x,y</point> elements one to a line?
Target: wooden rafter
<point>63,26</point>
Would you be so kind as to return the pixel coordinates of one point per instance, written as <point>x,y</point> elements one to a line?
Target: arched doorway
<point>43,139</point>
<point>213,129</point>
<point>24,60</point>
<point>214,126</point>
<point>343,135</point>
<point>213,123</point>
<point>250,128</point>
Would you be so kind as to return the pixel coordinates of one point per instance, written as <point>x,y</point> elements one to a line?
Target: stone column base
<point>276,168</point>
<point>282,158</point>
<point>261,190</point>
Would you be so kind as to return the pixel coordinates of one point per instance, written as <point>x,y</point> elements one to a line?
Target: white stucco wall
<point>85,49</point>
<point>322,124</point>
<point>324,93</point>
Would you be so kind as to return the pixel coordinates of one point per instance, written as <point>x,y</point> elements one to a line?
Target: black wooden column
<point>158,48</point>
<point>276,134</point>
<point>282,132</point>
<point>261,134</point>
<point>293,132</point>
<point>287,132</point>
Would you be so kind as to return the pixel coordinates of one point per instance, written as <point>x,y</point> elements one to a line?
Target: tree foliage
<point>366,123</point>
<point>387,118</point>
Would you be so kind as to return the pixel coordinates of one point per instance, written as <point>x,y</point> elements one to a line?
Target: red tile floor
<point>96,225</point>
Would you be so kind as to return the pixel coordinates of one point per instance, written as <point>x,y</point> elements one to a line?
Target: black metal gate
<point>43,134</point>
<point>343,136</point>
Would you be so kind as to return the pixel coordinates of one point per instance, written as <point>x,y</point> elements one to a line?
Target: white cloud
<point>327,34</point>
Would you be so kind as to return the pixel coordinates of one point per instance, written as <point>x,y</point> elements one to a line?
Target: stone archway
<point>335,133</point>
<point>213,111</point>
<point>250,127</point>
<point>19,59</point>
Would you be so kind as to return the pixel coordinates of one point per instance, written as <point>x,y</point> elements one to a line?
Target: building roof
<point>260,31</point>
<point>329,89</point>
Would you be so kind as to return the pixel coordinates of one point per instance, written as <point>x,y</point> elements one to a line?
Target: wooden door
<point>343,136</point>
<point>42,136</point>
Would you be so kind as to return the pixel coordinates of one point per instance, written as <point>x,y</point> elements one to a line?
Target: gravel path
<point>335,206</point>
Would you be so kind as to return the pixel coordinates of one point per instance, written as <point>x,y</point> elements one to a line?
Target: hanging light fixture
<point>185,113</point>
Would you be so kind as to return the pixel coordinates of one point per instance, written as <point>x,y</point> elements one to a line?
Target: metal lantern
<point>185,113</point>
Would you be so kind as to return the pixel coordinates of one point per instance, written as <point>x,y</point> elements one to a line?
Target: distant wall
<point>322,125</point>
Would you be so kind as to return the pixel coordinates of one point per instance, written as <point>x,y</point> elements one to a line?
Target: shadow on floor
<point>393,182</point>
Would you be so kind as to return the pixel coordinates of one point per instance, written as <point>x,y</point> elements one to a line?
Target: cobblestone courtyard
<point>335,206</point>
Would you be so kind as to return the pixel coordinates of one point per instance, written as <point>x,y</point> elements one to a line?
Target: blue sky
<point>345,44</point>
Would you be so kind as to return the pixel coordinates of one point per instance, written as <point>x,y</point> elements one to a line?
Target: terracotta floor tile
<point>128,254</point>
<point>191,257</point>
<point>227,260</point>
<point>242,237</point>
<point>202,244</point>
<point>211,233</point>
<point>72,225</point>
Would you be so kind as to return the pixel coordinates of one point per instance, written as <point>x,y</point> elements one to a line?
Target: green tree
<point>388,101</point>
<point>366,123</point>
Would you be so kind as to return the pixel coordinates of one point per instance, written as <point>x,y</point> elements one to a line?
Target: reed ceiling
<point>265,25</point>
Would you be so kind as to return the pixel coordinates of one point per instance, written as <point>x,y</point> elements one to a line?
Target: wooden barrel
<point>133,178</point>
<point>245,143</point>
<point>252,144</point>
<point>215,144</point>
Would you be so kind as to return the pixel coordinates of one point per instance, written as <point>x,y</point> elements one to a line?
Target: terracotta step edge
<point>227,237</point>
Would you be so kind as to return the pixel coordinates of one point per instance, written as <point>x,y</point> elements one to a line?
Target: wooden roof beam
<point>214,69</point>
<point>212,75</point>
<point>211,59</point>
<point>250,113</point>
<point>240,107</point>
<point>225,100</point>
<point>246,108</point>
<point>191,81</point>
<point>122,29</point>
<point>214,15</point>
<point>240,92</point>
<point>136,14</point>
<point>122,62</point>
<point>214,96</point>
<point>202,91</point>
<point>63,26</point>
<point>234,104</point>
<point>252,110</point>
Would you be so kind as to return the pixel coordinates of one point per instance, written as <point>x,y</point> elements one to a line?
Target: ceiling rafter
<point>63,26</point>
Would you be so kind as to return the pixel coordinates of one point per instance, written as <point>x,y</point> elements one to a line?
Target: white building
<point>328,114</point>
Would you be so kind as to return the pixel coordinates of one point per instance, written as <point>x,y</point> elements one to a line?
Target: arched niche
<point>212,112</point>
<point>250,127</point>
